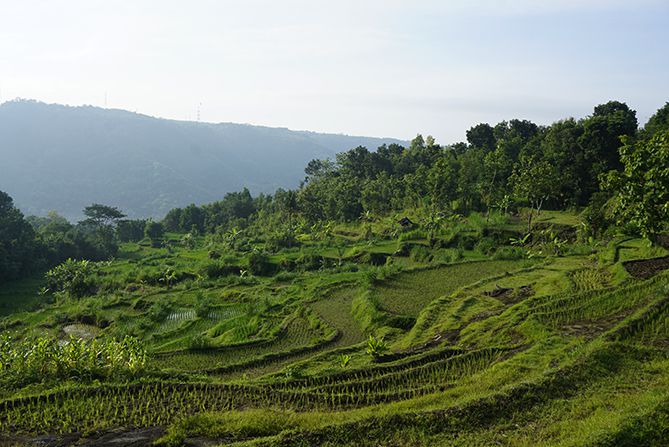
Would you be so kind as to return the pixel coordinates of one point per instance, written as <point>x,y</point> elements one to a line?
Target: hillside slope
<point>64,158</point>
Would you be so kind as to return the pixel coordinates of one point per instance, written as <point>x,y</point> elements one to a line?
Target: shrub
<point>155,232</point>
<point>281,239</point>
<point>420,253</point>
<point>310,261</point>
<point>217,269</point>
<point>486,246</point>
<point>189,241</point>
<point>259,264</point>
<point>72,277</point>
<point>450,255</point>
<point>373,258</point>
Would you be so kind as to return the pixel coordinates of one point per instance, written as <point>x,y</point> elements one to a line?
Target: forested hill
<point>63,158</point>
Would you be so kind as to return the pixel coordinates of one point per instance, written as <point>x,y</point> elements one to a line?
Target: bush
<point>155,231</point>
<point>259,264</point>
<point>287,265</point>
<point>594,217</point>
<point>486,246</point>
<point>215,270</point>
<point>310,261</point>
<point>281,239</point>
<point>72,277</point>
<point>420,253</point>
<point>450,255</point>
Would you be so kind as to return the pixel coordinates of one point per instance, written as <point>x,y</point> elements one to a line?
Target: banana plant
<point>344,360</point>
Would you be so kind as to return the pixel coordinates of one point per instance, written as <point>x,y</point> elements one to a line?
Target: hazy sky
<point>381,68</point>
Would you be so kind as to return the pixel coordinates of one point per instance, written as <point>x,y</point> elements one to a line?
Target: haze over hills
<point>64,158</point>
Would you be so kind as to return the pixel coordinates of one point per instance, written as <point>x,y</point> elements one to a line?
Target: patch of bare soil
<point>592,328</point>
<point>121,437</point>
<point>509,295</point>
<point>646,268</point>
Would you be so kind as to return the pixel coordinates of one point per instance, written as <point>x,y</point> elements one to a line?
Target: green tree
<point>534,182</point>
<point>130,230</point>
<point>497,167</point>
<point>469,173</point>
<point>100,229</point>
<point>482,136</point>
<point>657,123</point>
<point>601,140</point>
<point>288,204</point>
<point>442,183</point>
<point>561,147</point>
<point>642,187</point>
<point>155,232</point>
<point>17,241</point>
<point>102,215</point>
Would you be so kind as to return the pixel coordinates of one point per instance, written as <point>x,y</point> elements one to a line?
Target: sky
<point>366,67</point>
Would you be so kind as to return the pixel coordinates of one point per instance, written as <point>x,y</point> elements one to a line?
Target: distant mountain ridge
<point>63,158</point>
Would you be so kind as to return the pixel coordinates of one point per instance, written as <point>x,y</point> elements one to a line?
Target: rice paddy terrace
<point>464,339</point>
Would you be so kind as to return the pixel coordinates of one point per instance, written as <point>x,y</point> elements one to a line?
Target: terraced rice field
<point>409,293</point>
<point>298,334</point>
<point>549,352</point>
<point>335,310</point>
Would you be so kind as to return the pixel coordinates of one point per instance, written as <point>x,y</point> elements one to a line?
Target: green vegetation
<point>440,314</point>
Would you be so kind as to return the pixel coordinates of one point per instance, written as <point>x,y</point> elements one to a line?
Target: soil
<point>121,437</point>
<point>592,328</point>
<point>646,268</point>
<point>510,295</point>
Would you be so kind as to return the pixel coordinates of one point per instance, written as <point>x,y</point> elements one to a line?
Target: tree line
<point>584,163</point>
<point>604,163</point>
<point>32,244</point>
